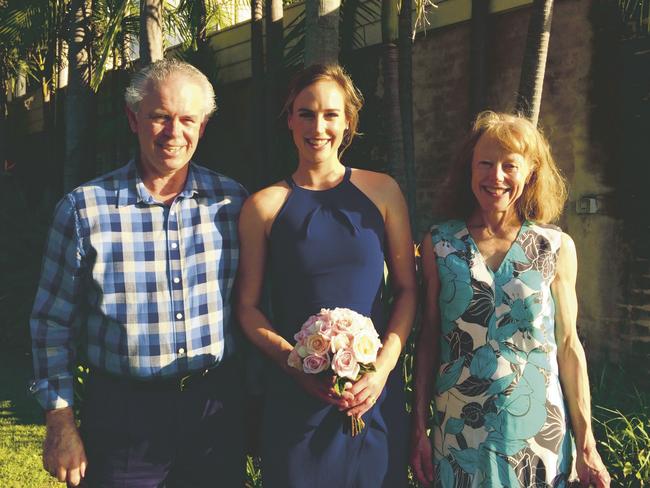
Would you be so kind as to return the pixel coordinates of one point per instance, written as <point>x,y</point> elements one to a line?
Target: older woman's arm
<point>573,367</point>
<point>426,363</point>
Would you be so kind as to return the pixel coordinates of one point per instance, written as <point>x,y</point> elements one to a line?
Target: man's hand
<point>63,452</point>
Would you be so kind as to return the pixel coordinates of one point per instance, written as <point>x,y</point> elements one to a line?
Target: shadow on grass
<point>16,404</point>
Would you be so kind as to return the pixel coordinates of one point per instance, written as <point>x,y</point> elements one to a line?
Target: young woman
<point>499,325</point>
<point>323,235</point>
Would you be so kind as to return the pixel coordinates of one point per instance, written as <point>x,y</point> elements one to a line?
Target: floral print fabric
<point>500,417</point>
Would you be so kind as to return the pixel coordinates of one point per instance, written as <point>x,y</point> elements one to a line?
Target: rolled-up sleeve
<point>55,314</point>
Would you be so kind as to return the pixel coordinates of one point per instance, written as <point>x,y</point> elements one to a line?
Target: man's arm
<point>53,339</point>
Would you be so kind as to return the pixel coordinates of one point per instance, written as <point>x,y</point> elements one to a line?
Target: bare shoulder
<point>380,188</point>
<point>567,260</point>
<point>265,204</point>
<point>374,180</point>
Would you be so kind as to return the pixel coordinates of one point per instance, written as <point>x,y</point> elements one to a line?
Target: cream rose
<point>340,341</point>
<point>314,363</point>
<point>317,344</point>
<point>365,346</point>
<point>345,365</point>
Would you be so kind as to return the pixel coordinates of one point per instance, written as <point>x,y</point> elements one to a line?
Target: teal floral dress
<point>501,420</point>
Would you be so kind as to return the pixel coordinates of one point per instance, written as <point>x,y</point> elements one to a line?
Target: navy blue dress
<point>326,251</point>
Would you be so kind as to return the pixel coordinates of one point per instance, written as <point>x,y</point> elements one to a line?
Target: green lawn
<point>21,428</point>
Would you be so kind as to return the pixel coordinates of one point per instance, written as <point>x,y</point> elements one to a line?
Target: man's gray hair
<point>159,71</point>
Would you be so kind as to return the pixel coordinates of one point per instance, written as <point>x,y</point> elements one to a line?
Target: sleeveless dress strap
<point>348,173</point>
<point>290,182</point>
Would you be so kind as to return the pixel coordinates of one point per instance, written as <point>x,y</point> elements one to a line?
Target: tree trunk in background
<point>258,111</point>
<point>348,24</point>
<point>151,39</point>
<point>405,48</point>
<point>4,154</point>
<point>531,82</point>
<point>392,112</point>
<point>478,56</point>
<point>78,112</point>
<point>273,90</point>
<point>322,31</point>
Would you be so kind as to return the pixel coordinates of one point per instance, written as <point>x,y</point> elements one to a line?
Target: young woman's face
<point>498,175</point>
<point>318,122</point>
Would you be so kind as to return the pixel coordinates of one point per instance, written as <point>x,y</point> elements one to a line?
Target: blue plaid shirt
<point>143,287</point>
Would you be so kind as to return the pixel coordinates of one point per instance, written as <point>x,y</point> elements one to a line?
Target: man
<point>137,278</point>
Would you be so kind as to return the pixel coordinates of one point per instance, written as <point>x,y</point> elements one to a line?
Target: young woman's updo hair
<point>545,192</point>
<point>352,97</point>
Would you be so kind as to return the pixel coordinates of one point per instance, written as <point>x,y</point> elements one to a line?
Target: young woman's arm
<point>256,216</point>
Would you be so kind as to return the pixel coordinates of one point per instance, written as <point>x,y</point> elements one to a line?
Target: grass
<point>21,428</point>
<point>622,428</point>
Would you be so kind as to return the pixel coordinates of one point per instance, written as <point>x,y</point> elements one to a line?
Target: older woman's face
<point>498,175</point>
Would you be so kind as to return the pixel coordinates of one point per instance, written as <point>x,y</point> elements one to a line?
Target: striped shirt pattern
<point>142,288</point>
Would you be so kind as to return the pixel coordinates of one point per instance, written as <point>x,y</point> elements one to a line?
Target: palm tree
<point>392,110</point>
<point>273,86</point>
<point>322,31</point>
<point>151,24</point>
<point>79,97</point>
<point>405,71</point>
<point>258,111</point>
<point>478,55</point>
<point>531,82</point>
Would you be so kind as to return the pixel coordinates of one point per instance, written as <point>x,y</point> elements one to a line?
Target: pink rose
<point>345,365</point>
<point>314,363</point>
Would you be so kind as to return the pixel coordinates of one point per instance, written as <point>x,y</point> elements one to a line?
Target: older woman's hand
<point>421,457</point>
<point>591,470</point>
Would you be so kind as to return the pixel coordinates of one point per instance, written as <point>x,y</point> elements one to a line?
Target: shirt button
<point>181,352</point>
<point>174,245</point>
<point>177,280</point>
<point>179,315</point>
<point>171,212</point>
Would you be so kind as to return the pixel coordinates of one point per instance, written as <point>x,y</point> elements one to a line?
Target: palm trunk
<point>274,66</point>
<point>405,71</point>
<point>348,24</point>
<point>151,39</point>
<point>78,113</point>
<point>529,97</point>
<point>258,112</point>
<point>478,56</point>
<point>392,112</point>
<point>322,31</point>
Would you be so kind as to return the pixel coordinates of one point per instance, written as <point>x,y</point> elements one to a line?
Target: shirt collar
<point>131,189</point>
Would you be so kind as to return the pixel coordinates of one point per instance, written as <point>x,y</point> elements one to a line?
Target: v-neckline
<point>505,256</point>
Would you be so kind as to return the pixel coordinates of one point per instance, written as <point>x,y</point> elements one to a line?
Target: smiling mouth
<point>496,191</point>
<point>317,143</point>
<point>170,149</point>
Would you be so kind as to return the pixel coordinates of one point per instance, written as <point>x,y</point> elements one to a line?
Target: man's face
<point>169,123</point>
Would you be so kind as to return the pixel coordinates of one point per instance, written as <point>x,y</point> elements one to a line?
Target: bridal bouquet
<point>341,340</point>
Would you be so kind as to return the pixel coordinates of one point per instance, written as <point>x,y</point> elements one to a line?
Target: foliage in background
<point>622,424</point>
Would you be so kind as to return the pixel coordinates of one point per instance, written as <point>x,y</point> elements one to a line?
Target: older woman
<point>323,235</point>
<point>499,326</point>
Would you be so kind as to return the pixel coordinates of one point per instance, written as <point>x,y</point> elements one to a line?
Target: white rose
<point>365,345</point>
